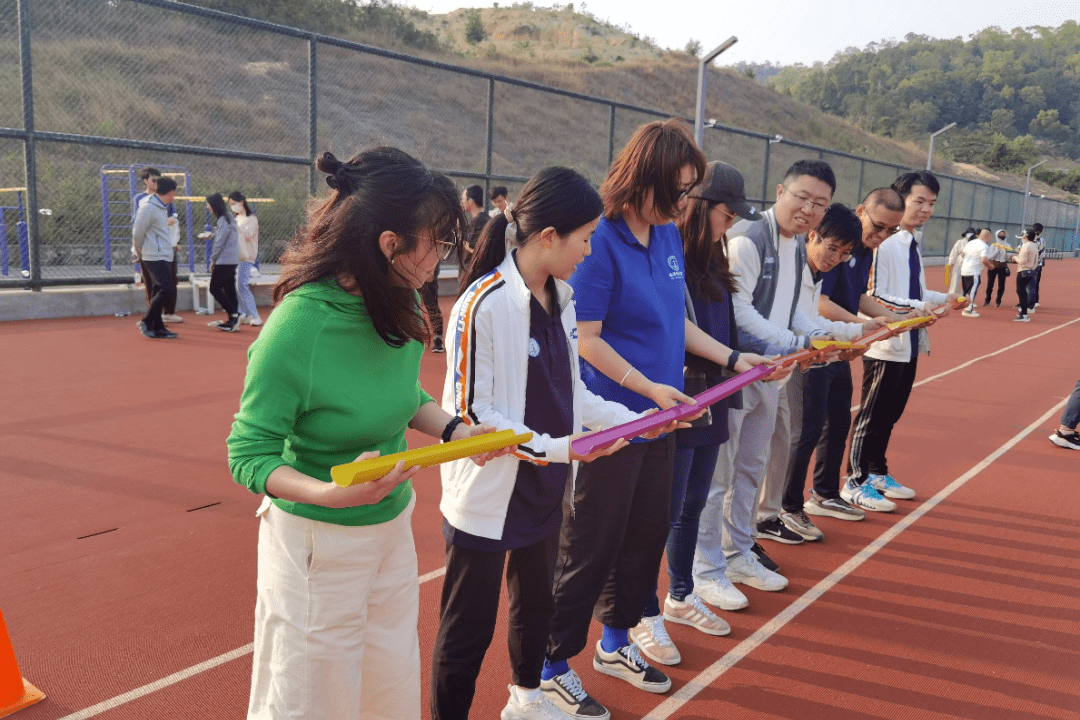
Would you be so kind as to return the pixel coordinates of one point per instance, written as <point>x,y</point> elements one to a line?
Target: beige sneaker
<point>691,611</point>
<point>652,639</point>
<point>172,319</point>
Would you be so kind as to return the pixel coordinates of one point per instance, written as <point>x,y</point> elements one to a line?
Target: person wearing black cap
<point>713,207</point>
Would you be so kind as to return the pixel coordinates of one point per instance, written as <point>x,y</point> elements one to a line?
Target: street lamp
<point>1027,191</point>
<point>703,65</point>
<point>930,155</point>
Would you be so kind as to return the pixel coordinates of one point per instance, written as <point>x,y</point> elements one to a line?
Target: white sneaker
<point>691,611</point>
<point>969,313</point>
<point>866,497</point>
<point>887,486</point>
<point>255,321</point>
<point>720,593</point>
<point>172,318</point>
<point>651,638</point>
<point>541,709</point>
<point>565,692</point>
<point>746,569</point>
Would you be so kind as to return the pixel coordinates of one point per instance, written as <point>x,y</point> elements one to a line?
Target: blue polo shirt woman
<point>632,337</point>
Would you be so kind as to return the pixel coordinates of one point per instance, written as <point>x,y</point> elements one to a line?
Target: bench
<point>200,281</point>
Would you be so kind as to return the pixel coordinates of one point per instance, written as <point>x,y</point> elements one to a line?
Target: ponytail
<point>489,252</point>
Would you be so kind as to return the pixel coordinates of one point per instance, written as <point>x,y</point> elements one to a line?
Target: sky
<point>791,31</point>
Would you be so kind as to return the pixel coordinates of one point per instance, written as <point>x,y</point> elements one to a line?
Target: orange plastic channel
<point>374,468</point>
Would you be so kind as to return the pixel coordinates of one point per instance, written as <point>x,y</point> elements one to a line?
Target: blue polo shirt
<point>847,282</point>
<point>637,292</point>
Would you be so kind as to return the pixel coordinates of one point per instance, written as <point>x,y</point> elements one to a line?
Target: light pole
<point>703,66</point>
<point>1027,191</point>
<point>930,155</point>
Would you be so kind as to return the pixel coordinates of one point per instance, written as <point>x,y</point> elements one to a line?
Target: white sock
<point>524,696</point>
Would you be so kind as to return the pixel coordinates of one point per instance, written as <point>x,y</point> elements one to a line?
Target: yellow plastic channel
<point>910,323</point>
<point>835,345</point>
<point>374,468</point>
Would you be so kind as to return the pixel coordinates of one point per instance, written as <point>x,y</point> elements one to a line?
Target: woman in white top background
<point>248,227</point>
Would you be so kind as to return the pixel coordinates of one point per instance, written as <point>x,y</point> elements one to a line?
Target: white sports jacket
<point>485,383</point>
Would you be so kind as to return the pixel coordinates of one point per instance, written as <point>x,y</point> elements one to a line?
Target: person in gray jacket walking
<point>150,238</point>
<point>224,258</point>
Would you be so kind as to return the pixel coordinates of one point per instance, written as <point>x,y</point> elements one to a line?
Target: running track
<point>128,576</point>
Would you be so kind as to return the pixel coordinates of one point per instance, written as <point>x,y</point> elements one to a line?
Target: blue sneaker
<point>866,497</point>
<point>887,486</point>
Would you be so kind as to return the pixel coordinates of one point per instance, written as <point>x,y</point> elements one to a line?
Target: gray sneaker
<point>798,523</point>
<point>833,507</point>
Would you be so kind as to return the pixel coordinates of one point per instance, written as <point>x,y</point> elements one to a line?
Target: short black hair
<point>498,191</point>
<point>476,194</point>
<point>814,168</point>
<point>165,186</point>
<point>884,197</point>
<point>907,181</point>
<point>839,223</point>
<point>1038,227</point>
<point>149,172</point>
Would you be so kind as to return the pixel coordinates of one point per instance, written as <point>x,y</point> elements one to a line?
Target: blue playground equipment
<point>119,186</point>
<point>21,228</point>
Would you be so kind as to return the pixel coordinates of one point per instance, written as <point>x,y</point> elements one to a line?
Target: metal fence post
<point>765,176</point>
<point>29,144</point>
<point>862,170</point>
<point>313,110</point>
<point>611,138</point>
<point>490,138</point>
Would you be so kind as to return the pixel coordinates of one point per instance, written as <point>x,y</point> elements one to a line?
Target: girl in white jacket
<point>513,363</point>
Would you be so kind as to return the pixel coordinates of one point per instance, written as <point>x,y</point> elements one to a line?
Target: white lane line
<point>713,672</point>
<point>240,652</point>
<point>961,366</point>
<point>164,682</point>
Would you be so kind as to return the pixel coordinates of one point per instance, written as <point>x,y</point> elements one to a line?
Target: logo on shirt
<point>534,348</point>
<point>673,263</point>
<point>573,333</point>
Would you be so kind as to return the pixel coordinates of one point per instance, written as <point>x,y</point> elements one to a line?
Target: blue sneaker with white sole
<point>887,486</point>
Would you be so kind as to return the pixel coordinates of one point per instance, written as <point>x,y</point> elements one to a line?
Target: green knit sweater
<point>321,388</point>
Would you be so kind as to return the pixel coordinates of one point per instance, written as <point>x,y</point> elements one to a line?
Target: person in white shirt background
<point>974,260</point>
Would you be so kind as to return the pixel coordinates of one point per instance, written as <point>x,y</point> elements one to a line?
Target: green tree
<point>474,28</point>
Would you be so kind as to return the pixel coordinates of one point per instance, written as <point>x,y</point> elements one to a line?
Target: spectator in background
<point>224,257</point>
<point>956,258</point>
<point>972,266</point>
<point>500,198</point>
<point>472,202</point>
<point>247,226</point>
<point>150,238</point>
<point>997,257</point>
<point>1036,277</point>
<point>1026,261</point>
<point>150,177</point>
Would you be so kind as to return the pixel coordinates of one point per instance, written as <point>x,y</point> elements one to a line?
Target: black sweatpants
<point>995,275</point>
<point>826,417</point>
<point>163,291</point>
<point>610,547</point>
<point>970,286</point>
<point>886,387</point>
<point>470,607</point>
<point>223,288</point>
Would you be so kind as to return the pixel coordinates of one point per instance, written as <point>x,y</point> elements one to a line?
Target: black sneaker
<point>1070,440</point>
<point>565,692</point>
<point>763,558</point>
<point>146,332</point>
<point>627,664</point>
<point>773,529</point>
<point>437,345</point>
<point>165,334</point>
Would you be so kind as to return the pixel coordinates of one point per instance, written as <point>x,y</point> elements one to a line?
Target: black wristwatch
<point>451,426</point>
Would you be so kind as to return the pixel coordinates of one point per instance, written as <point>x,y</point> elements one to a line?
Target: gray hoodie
<point>150,234</point>
<point>226,245</point>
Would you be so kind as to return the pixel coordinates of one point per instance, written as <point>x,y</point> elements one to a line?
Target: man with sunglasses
<point>827,400</point>
<point>767,257</point>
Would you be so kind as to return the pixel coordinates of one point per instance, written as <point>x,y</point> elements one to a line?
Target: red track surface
<point>129,554</point>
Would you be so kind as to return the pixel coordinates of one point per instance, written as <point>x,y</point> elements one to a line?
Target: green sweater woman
<point>332,378</point>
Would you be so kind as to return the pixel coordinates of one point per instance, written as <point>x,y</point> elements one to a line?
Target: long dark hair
<point>217,206</point>
<point>378,190</point>
<point>556,197</point>
<point>651,160</point>
<point>707,268</point>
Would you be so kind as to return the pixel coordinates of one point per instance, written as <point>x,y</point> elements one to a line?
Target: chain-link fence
<point>91,91</point>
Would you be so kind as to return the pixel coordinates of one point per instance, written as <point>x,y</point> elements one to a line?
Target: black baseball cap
<point>723,184</point>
